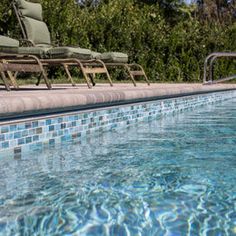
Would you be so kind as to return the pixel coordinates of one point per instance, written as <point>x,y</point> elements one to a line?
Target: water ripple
<point>171,176</point>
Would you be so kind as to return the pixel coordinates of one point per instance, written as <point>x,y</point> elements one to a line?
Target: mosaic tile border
<point>26,135</point>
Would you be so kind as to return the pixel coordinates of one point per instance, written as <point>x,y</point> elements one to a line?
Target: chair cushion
<point>40,52</point>
<point>96,55</point>
<point>70,52</point>
<point>8,45</point>
<point>31,10</point>
<point>113,57</point>
<point>37,31</point>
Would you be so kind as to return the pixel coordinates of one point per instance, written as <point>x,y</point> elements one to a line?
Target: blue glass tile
<point>59,120</point>
<point>28,140</point>
<point>24,133</point>
<point>68,125</point>
<point>12,143</point>
<point>17,150</point>
<point>41,123</point>
<point>38,130</point>
<point>4,129</point>
<point>21,141</point>
<point>17,135</point>
<point>5,144</point>
<point>66,131</point>
<point>13,128</point>
<point>66,138</point>
<point>71,118</point>
<point>36,146</point>
<point>51,141</point>
<point>35,138</point>
<point>51,128</point>
<point>63,126</point>
<point>35,124</point>
<point>31,132</point>
<point>2,137</point>
<point>55,134</point>
<point>48,122</point>
<point>21,126</point>
<point>9,136</point>
<point>28,125</point>
<point>60,133</point>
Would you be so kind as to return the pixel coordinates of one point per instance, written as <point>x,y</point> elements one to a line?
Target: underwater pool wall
<point>17,137</point>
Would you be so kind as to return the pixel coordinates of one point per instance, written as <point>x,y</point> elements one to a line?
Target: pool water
<point>171,176</point>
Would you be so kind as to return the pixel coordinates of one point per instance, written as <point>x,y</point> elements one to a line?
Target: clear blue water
<point>171,176</point>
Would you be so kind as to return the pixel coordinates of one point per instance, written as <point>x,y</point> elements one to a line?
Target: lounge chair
<point>11,63</point>
<point>37,37</point>
<point>35,32</point>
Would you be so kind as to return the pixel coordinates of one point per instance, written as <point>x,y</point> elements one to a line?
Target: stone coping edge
<point>19,139</point>
<point>59,111</point>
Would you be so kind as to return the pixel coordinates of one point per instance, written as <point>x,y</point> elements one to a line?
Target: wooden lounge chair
<point>37,37</point>
<point>11,63</point>
<point>36,34</point>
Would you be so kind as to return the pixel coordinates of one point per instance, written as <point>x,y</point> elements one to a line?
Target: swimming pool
<point>171,176</point>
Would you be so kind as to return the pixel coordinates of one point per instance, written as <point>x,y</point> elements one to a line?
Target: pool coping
<point>32,107</point>
<point>20,136</point>
<point>57,112</point>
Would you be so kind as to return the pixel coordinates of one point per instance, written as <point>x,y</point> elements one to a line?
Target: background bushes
<point>169,38</point>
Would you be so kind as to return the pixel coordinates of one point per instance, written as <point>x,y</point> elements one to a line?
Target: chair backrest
<point>33,27</point>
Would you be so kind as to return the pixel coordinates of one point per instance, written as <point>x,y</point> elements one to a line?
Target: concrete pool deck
<point>31,100</point>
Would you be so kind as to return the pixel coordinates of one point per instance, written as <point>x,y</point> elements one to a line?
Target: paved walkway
<point>39,100</point>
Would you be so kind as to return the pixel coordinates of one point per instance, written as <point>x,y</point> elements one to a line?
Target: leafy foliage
<point>169,38</point>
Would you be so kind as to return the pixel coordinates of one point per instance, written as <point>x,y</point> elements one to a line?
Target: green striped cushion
<point>70,52</point>
<point>113,57</point>
<point>40,52</point>
<point>96,55</point>
<point>8,45</point>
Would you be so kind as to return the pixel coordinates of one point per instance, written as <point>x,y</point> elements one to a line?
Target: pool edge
<point>32,133</point>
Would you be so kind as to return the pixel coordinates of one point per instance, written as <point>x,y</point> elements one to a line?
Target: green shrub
<point>170,48</point>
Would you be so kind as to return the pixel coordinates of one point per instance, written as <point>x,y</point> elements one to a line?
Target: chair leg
<point>4,78</point>
<point>86,77</point>
<point>144,74</point>
<point>47,82</point>
<point>43,73</point>
<point>109,77</point>
<point>92,78</point>
<point>39,80</point>
<point>12,79</point>
<point>83,69</point>
<point>69,74</point>
<point>107,73</point>
<point>130,74</point>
